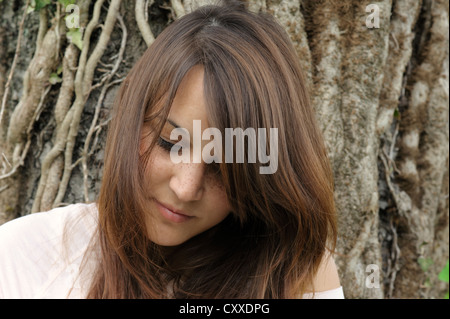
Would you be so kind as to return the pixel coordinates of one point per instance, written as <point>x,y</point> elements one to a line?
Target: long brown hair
<point>281,225</point>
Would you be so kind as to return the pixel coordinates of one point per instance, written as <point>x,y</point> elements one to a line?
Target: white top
<point>41,255</point>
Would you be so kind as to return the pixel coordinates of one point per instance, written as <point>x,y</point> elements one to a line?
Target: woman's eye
<point>165,144</point>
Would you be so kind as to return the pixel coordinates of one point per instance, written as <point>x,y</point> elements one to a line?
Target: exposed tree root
<point>142,23</point>
<point>13,66</point>
<point>401,34</point>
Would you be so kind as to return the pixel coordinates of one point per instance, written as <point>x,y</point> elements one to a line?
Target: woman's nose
<point>187,182</point>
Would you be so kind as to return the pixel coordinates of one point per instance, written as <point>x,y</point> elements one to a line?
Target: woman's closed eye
<point>167,146</point>
<point>213,167</point>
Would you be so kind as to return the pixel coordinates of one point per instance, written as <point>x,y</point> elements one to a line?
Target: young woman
<point>207,227</point>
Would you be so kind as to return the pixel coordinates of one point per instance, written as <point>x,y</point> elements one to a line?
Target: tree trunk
<point>380,92</point>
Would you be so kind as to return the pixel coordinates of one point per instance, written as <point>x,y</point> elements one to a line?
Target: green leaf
<point>443,275</point>
<point>396,113</point>
<point>30,9</point>
<point>59,70</point>
<point>36,5</point>
<point>39,4</point>
<point>446,295</point>
<point>427,283</point>
<point>425,263</point>
<point>54,78</point>
<point>67,2</point>
<point>75,37</point>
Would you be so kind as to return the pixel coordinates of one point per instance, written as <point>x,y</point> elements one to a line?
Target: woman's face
<point>185,199</point>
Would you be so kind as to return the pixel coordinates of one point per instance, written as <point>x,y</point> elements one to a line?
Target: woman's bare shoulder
<point>36,248</point>
<point>34,230</point>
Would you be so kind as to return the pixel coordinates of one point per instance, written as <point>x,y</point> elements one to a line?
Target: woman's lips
<point>171,215</point>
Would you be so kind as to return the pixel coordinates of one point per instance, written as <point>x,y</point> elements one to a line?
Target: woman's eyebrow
<point>173,123</point>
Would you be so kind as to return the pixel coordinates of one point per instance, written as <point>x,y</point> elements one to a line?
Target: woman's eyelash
<point>164,144</point>
<point>213,167</point>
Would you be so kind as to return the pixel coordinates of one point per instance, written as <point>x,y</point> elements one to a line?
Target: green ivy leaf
<point>30,9</point>
<point>39,4</point>
<point>443,275</point>
<point>59,70</point>
<point>65,3</point>
<point>75,37</point>
<point>36,5</point>
<point>427,283</point>
<point>54,78</point>
<point>396,113</point>
<point>425,263</point>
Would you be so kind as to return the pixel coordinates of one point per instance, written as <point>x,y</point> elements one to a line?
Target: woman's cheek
<point>158,167</point>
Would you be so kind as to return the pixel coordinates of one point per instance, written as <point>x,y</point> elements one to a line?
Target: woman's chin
<point>167,241</point>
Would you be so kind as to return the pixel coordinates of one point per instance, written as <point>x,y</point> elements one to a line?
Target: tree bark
<point>380,95</point>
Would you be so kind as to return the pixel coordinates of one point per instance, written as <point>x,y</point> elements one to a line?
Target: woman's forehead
<point>189,102</point>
